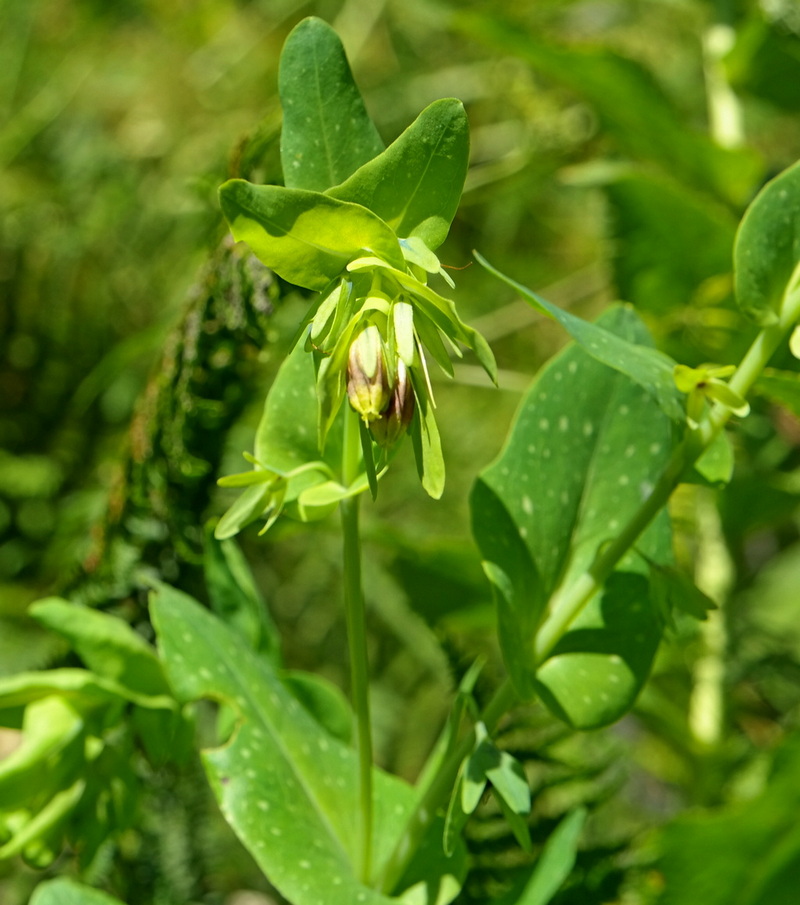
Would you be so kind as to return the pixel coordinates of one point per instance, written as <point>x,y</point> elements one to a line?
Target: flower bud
<point>367,382</point>
<point>392,424</point>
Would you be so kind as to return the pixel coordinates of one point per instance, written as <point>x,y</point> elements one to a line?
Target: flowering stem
<point>357,639</point>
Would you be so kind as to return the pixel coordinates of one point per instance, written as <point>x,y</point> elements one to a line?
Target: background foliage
<point>134,343</point>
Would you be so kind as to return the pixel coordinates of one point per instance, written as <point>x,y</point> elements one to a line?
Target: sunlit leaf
<point>306,237</point>
<point>415,184</point>
<point>327,133</point>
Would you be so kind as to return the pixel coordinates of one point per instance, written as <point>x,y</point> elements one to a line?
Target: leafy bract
<point>327,134</point>
<point>415,184</point>
<point>766,254</point>
<point>287,787</point>
<point>306,237</point>
<point>586,449</point>
<point>651,369</point>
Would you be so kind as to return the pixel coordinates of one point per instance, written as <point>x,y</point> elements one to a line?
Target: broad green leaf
<point>650,368</point>
<point>554,863</point>
<point>327,134</point>
<point>594,674</point>
<point>415,184</point>
<point>107,645</point>
<point>288,788</point>
<point>631,106</point>
<point>306,237</point>
<point>235,597</point>
<point>586,448</point>
<point>766,256</point>
<point>63,891</point>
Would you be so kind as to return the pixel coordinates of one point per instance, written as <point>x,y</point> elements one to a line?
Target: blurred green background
<point>615,144</point>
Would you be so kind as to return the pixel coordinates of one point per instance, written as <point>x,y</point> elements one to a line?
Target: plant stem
<point>357,640</point>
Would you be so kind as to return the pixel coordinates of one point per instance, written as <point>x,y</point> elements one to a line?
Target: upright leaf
<point>305,237</point>
<point>586,448</point>
<point>415,184</point>
<point>766,256</point>
<point>327,134</point>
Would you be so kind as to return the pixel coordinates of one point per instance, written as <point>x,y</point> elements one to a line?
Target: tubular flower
<point>368,386</point>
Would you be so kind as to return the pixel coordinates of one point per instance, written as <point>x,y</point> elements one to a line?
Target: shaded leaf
<point>63,891</point>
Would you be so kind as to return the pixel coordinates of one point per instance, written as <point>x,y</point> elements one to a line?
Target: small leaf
<point>327,134</point>
<point>247,507</point>
<point>415,184</point>
<point>306,237</point>
<point>715,466</point>
<point>323,700</point>
<point>766,253</point>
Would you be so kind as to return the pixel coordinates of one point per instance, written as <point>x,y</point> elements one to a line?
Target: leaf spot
<point>546,453</point>
<point>544,424</point>
<point>613,524</point>
<point>623,410</point>
<point>623,480</point>
<point>304,864</point>
<point>572,367</point>
<point>246,753</point>
<point>630,451</point>
<point>523,532</point>
<point>527,505</point>
<point>655,448</point>
<point>263,805</point>
<point>276,831</point>
<point>563,423</point>
<point>588,429</point>
<point>205,672</point>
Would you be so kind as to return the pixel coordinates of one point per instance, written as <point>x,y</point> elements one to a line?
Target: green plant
<point>570,520</point>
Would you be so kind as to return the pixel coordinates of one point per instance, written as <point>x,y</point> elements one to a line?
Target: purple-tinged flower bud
<point>392,424</point>
<point>367,382</point>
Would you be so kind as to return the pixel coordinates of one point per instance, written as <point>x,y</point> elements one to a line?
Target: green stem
<point>357,640</point>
